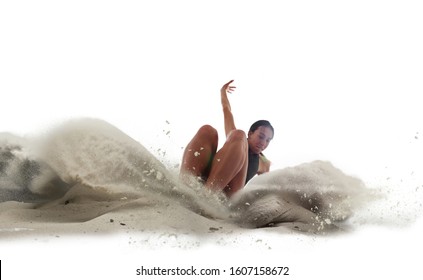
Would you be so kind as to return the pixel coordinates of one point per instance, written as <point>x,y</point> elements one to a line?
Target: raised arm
<point>227,112</point>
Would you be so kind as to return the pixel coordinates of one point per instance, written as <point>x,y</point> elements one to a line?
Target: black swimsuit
<point>253,165</point>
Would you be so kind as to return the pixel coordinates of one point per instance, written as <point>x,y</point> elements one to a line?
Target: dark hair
<point>259,123</point>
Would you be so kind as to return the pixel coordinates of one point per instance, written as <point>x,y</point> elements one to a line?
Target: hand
<point>227,88</point>
<point>264,164</point>
<point>227,111</point>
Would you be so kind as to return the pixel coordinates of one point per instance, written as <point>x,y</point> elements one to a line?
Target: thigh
<point>238,182</point>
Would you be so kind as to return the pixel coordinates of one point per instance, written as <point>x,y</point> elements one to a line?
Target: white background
<point>339,80</point>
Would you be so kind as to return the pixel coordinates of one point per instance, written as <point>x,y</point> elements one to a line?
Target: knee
<point>237,135</point>
<point>207,131</point>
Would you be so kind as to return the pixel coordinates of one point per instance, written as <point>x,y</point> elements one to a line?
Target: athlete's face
<point>260,139</point>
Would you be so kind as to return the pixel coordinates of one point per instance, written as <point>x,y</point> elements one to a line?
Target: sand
<point>88,195</point>
<point>87,177</point>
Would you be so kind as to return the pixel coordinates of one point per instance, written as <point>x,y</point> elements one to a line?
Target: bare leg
<point>198,154</point>
<point>229,166</point>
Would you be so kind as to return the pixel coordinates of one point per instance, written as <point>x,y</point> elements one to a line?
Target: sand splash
<point>87,176</point>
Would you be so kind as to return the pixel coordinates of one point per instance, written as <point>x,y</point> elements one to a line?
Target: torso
<point>253,165</point>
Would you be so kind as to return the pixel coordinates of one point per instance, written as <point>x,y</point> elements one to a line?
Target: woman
<point>240,158</point>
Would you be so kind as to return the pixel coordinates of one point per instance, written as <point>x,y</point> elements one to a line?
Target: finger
<point>228,83</point>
